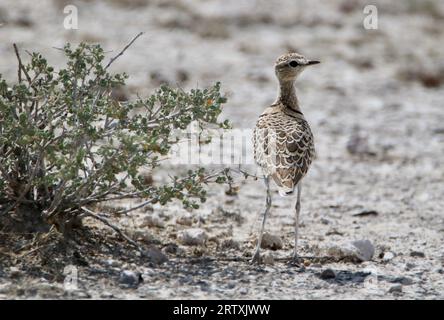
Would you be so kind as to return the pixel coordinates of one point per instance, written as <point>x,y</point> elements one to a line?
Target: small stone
<point>14,272</point>
<point>5,288</point>
<point>327,274</point>
<point>192,237</point>
<point>270,241</point>
<point>361,250</point>
<point>78,294</point>
<point>130,278</point>
<point>152,221</point>
<point>106,295</point>
<point>325,221</point>
<point>230,244</point>
<point>111,263</point>
<point>366,250</point>
<point>243,291</point>
<point>268,258</point>
<point>404,281</point>
<point>397,288</point>
<point>155,255</point>
<point>388,256</point>
<point>410,266</point>
<point>170,248</point>
<point>417,254</point>
<point>185,219</point>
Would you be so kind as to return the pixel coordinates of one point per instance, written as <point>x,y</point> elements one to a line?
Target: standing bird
<point>283,142</point>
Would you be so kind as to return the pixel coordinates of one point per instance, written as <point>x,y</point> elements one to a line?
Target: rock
<point>417,254</point>
<point>130,278</point>
<point>360,250</point>
<point>325,221</point>
<point>268,258</point>
<point>410,266</point>
<point>152,221</point>
<point>111,263</point>
<point>404,281</point>
<point>396,289</point>
<point>229,244</point>
<point>185,219</point>
<point>365,213</point>
<point>366,249</point>
<point>243,291</point>
<point>327,274</point>
<point>170,248</point>
<point>106,295</point>
<point>78,294</point>
<point>5,288</point>
<point>14,272</point>
<point>192,237</point>
<point>155,255</point>
<point>270,241</point>
<point>388,256</point>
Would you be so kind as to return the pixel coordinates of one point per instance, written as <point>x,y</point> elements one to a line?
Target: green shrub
<point>66,145</point>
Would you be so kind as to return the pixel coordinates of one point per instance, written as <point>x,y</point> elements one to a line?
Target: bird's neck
<point>287,95</point>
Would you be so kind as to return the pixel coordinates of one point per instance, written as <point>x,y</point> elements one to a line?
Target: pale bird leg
<point>256,256</point>
<point>296,258</point>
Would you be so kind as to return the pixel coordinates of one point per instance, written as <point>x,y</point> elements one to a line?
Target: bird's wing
<point>284,149</point>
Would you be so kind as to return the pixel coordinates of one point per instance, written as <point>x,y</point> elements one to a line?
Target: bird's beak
<point>313,62</point>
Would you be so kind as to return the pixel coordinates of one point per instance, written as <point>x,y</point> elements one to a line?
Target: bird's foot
<point>256,258</point>
<point>296,261</point>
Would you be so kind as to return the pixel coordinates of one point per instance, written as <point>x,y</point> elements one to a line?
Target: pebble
<point>410,266</point>
<point>106,295</point>
<point>171,248</point>
<point>366,249</point>
<point>155,255</point>
<point>230,244</point>
<point>325,221</point>
<point>362,250</point>
<point>328,274</point>
<point>271,241</point>
<point>111,263</point>
<point>185,219</point>
<point>404,281</point>
<point>130,278</point>
<point>388,256</point>
<point>268,258</point>
<point>243,290</point>
<point>396,289</point>
<point>418,254</point>
<point>152,221</point>
<point>14,272</point>
<point>192,237</point>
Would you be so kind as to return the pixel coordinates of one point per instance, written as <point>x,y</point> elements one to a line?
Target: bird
<point>283,142</point>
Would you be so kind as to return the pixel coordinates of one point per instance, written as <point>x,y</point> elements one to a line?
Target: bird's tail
<point>285,191</point>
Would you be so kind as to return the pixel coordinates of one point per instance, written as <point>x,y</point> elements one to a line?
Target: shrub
<point>66,145</point>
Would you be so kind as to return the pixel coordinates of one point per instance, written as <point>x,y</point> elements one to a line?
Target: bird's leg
<point>256,256</point>
<point>296,259</point>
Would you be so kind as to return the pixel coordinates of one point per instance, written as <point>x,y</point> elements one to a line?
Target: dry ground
<point>382,88</point>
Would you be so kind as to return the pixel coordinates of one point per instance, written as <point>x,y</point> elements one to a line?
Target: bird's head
<point>290,65</point>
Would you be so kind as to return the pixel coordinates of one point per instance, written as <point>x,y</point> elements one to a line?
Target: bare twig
<point>124,49</point>
<point>112,226</point>
<point>21,67</point>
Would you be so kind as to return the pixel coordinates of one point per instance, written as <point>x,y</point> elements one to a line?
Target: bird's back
<point>283,146</point>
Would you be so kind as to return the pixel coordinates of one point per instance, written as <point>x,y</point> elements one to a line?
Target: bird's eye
<point>293,64</point>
